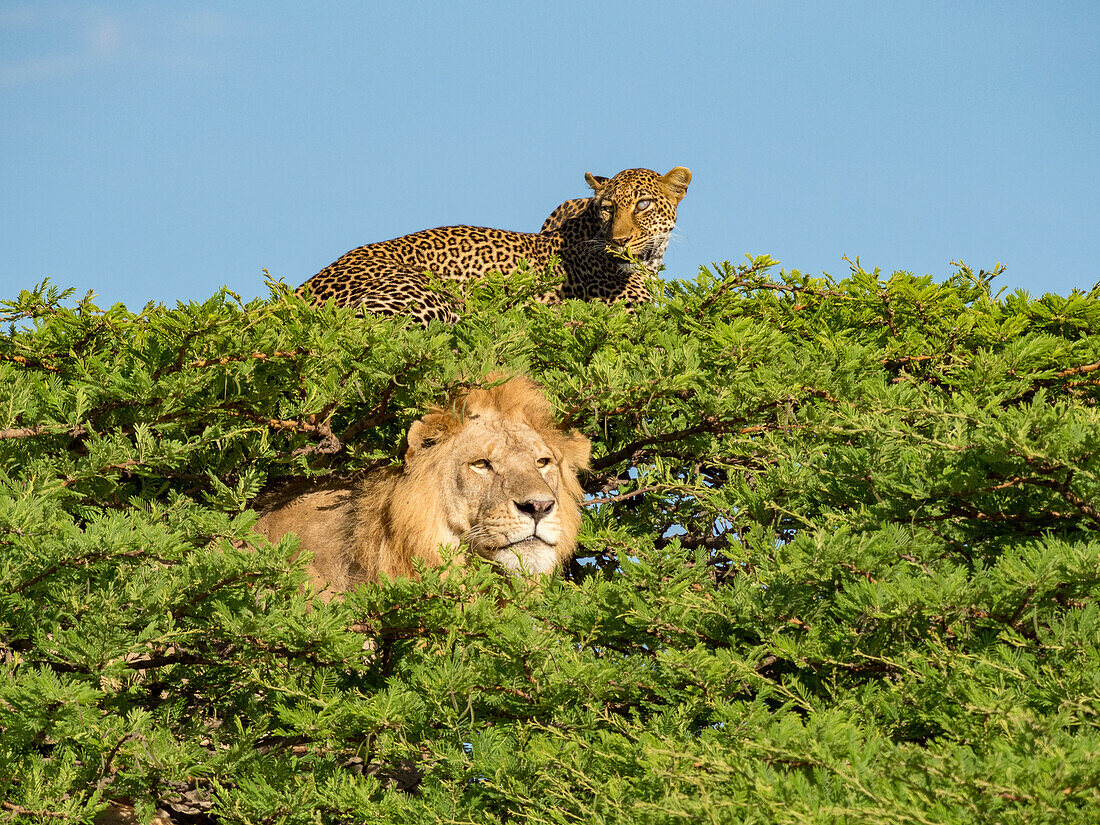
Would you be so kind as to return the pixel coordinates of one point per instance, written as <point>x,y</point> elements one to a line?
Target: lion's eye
<point>542,462</point>
<point>642,205</point>
<point>481,464</point>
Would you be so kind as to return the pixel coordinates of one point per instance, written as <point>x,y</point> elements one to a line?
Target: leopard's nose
<point>536,508</point>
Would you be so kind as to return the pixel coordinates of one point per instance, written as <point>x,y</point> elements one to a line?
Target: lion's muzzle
<point>536,508</point>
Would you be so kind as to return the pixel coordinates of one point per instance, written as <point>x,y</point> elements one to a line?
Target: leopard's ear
<point>676,182</point>
<point>597,182</point>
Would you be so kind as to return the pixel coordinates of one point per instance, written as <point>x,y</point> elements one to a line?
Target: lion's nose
<point>536,508</point>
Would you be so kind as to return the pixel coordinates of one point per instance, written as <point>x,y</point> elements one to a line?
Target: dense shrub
<point>840,563</point>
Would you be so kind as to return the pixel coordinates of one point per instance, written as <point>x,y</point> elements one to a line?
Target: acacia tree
<point>839,563</point>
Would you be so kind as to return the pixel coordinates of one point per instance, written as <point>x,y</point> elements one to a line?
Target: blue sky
<point>157,151</point>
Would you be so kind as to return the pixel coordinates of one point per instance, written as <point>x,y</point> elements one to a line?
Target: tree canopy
<point>840,562</point>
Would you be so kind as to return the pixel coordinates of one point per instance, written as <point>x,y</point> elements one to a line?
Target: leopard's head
<point>637,210</point>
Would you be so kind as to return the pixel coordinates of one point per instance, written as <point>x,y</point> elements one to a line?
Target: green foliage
<point>840,562</point>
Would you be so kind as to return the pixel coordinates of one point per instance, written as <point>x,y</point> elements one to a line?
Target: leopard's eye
<point>482,464</point>
<point>542,462</point>
<point>642,205</point>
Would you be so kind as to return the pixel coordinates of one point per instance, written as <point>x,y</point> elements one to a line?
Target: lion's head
<point>490,468</point>
<point>503,475</point>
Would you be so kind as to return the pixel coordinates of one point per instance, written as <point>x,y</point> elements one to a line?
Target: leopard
<point>607,246</point>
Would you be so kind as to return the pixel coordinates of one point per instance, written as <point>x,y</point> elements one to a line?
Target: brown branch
<point>181,353</point>
<point>527,697</point>
<point>19,810</point>
<point>885,295</point>
<point>712,424</point>
<point>1060,487</point>
<point>256,356</point>
<point>381,413</point>
<point>180,658</point>
<point>43,429</point>
<point>1075,384</point>
<point>741,283</point>
<point>624,496</point>
<point>857,571</point>
<point>29,362</point>
<point>1065,492</point>
<point>902,360</point>
<point>954,514</point>
<point>184,610</point>
<point>378,415</point>
<point>709,424</point>
<point>1023,606</point>
<point>123,465</point>
<point>825,395</point>
<point>328,445</point>
<point>696,541</point>
<point>641,394</point>
<point>1078,370</point>
<point>77,562</point>
<point>605,483</point>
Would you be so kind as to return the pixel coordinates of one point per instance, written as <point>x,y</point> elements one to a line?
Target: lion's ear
<point>576,449</point>
<point>418,439</point>
<point>424,433</point>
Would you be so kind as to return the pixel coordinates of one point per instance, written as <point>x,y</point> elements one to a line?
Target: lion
<point>490,470</point>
